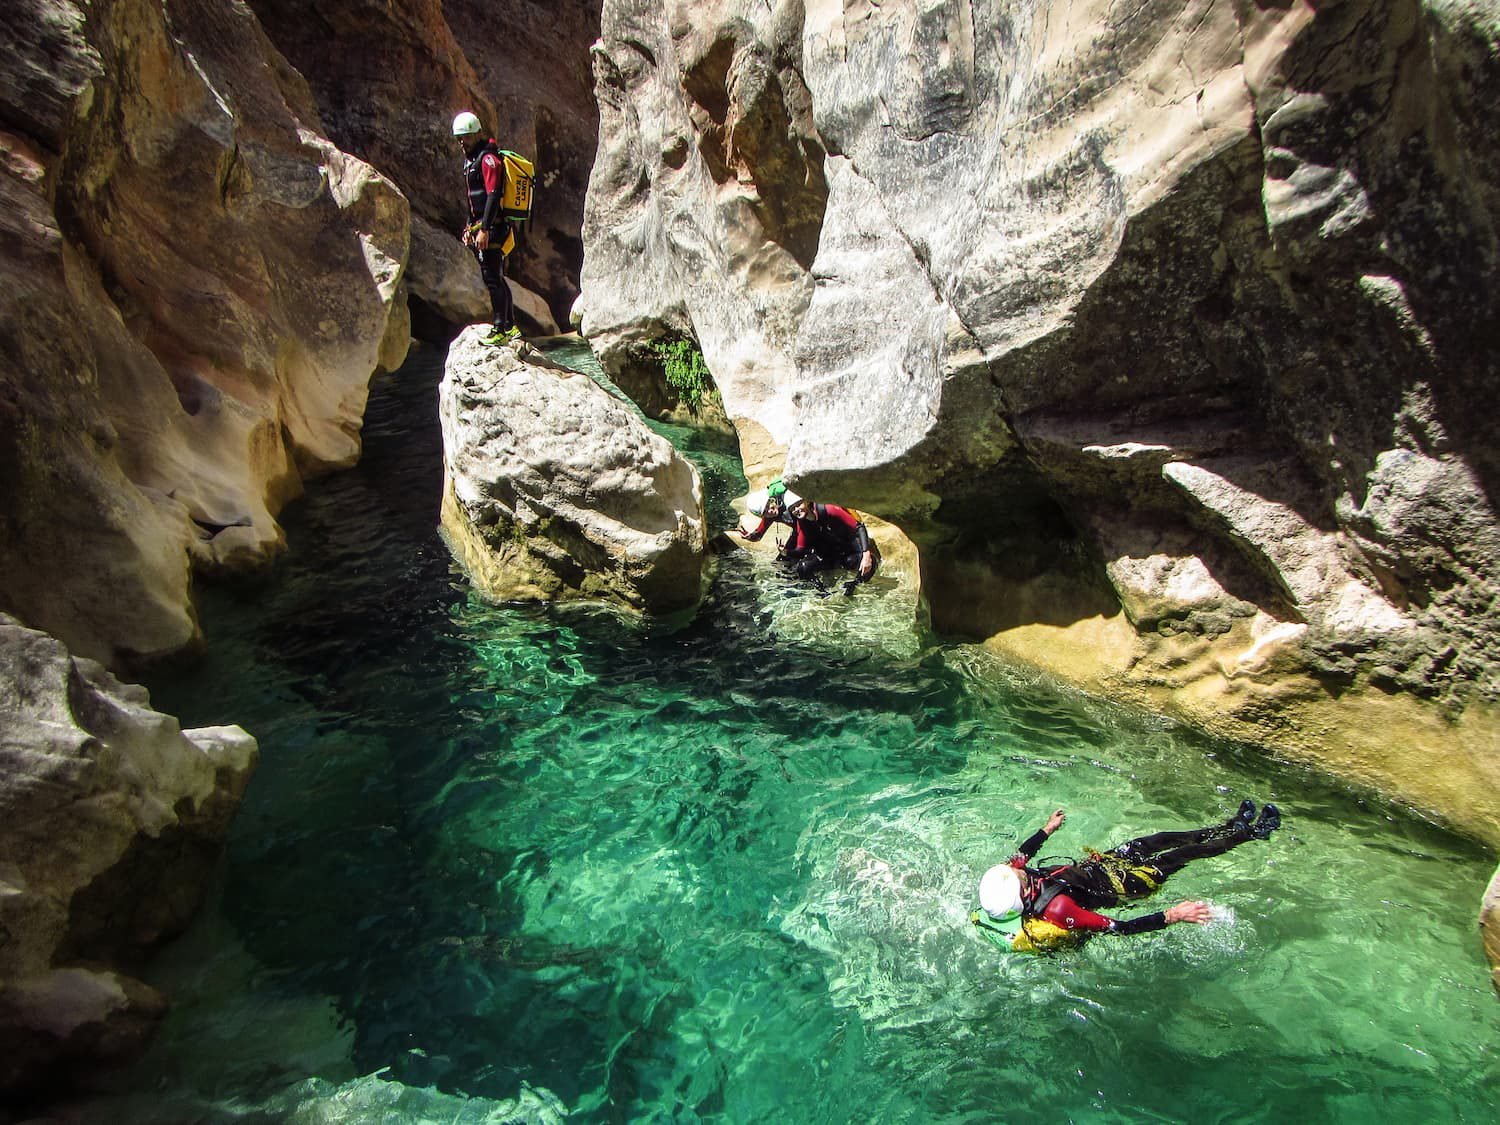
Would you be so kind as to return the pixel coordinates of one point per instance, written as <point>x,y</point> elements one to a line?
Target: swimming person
<point>1051,908</point>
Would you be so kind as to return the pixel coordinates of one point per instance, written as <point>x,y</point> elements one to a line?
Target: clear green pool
<point>502,863</point>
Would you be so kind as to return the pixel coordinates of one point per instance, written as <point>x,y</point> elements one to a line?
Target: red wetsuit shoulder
<point>1063,911</point>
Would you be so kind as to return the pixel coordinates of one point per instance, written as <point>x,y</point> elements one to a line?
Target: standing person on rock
<point>487,234</point>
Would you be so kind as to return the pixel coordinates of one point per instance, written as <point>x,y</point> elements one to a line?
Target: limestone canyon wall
<point>202,281</point>
<point>198,288</point>
<point>706,202</point>
<point>1164,332</point>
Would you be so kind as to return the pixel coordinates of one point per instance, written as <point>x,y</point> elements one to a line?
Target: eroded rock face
<point>556,489</point>
<point>111,821</point>
<point>705,203</point>
<point>200,288</point>
<point>1160,332</point>
<point>389,90</point>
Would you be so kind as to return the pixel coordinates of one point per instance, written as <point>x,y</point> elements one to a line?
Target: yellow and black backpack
<point>520,187</point>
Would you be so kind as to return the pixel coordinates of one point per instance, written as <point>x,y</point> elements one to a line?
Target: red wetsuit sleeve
<point>489,166</point>
<point>493,172</point>
<point>760,530</point>
<point>1063,911</point>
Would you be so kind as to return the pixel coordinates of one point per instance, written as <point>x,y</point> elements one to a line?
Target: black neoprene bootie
<point>1270,820</point>
<point>1245,817</point>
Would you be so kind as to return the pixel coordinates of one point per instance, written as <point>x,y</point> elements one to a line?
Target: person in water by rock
<point>1042,909</point>
<point>827,537</point>
<point>487,234</point>
<point>768,505</point>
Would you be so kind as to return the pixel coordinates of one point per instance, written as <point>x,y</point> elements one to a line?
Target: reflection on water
<point>505,863</point>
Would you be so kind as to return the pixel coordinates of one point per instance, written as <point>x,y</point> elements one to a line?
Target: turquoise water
<point>505,863</point>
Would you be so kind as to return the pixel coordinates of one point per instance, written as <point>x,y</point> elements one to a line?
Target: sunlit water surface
<point>503,863</point>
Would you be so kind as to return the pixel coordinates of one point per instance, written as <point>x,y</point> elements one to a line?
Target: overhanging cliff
<point>1162,332</point>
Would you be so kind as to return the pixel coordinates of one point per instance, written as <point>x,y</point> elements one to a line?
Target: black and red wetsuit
<point>484,176</point>
<point>1069,895</point>
<point>835,539</point>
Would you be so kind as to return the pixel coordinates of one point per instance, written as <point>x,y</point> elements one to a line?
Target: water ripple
<point>502,862</point>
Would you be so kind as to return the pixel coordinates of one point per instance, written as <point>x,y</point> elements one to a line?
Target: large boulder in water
<point>554,488</point>
<point>111,821</point>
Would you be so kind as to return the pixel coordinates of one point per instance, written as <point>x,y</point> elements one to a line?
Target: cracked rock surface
<point>111,821</point>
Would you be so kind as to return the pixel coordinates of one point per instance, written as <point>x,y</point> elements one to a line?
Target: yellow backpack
<point>520,187</point>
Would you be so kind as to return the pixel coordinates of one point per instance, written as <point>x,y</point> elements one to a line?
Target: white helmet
<point>1000,892</point>
<point>756,502</point>
<point>466,125</point>
<point>789,500</point>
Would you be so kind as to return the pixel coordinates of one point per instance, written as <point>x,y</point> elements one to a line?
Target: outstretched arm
<point>1063,911</point>
<point>1195,912</point>
<point>1033,843</point>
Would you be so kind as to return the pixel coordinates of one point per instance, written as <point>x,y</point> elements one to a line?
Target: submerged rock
<point>554,488</point>
<point>111,821</point>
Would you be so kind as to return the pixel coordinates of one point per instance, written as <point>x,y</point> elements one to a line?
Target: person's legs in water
<point>809,567</point>
<point>1170,852</point>
<point>810,564</point>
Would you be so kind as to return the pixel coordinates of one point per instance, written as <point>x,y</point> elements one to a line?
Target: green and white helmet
<point>466,125</point>
<point>1000,892</point>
